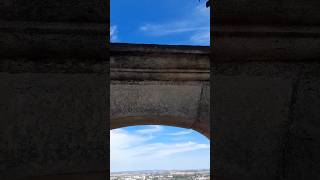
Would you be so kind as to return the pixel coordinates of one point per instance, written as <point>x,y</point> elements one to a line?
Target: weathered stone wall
<point>265,120</point>
<point>53,90</point>
<point>265,89</point>
<point>93,11</point>
<point>53,118</point>
<point>271,12</point>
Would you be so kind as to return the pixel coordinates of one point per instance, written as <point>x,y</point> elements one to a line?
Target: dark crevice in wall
<point>287,143</point>
<point>199,108</point>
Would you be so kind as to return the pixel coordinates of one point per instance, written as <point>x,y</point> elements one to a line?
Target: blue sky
<point>175,22</point>
<point>156,147</point>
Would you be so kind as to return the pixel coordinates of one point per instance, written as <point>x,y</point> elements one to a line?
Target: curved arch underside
<point>160,85</point>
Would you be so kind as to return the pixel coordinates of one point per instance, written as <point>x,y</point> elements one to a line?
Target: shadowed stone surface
<point>52,123</point>
<point>265,90</point>
<point>271,112</point>
<point>55,11</point>
<point>53,90</point>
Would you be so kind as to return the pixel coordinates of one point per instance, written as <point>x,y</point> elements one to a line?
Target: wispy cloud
<point>169,29</point>
<point>114,33</point>
<point>201,37</point>
<point>197,24</point>
<point>180,133</point>
<point>150,130</point>
<point>137,150</point>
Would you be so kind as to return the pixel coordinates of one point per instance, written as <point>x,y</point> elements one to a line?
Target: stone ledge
<point>117,48</point>
<point>35,40</point>
<point>242,43</point>
<point>139,62</point>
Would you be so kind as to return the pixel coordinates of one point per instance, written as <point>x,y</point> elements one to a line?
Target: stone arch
<point>160,85</point>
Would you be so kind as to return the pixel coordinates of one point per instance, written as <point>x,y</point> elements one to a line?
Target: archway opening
<point>202,127</point>
<point>156,151</point>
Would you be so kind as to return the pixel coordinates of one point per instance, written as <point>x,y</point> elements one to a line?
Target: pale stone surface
<point>165,85</point>
<point>179,102</point>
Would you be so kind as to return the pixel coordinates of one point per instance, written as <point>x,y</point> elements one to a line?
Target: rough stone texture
<point>166,85</point>
<point>52,122</point>
<point>53,89</point>
<point>298,12</point>
<point>304,135</point>
<point>53,40</point>
<point>265,122</point>
<point>249,122</point>
<point>55,11</point>
<point>265,89</point>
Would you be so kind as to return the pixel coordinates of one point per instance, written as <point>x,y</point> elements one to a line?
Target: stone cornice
<point>159,62</point>
<point>155,48</point>
<point>38,40</point>
<point>260,30</point>
<point>241,43</point>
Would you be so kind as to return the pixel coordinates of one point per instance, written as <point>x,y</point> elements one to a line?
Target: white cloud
<point>138,151</point>
<point>120,138</point>
<point>197,23</point>
<point>180,133</point>
<point>170,149</point>
<point>114,33</point>
<point>169,29</point>
<point>150,130</point>
<point>202,37</point>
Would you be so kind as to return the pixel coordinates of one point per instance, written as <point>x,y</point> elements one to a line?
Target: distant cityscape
<point>203,174</point>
